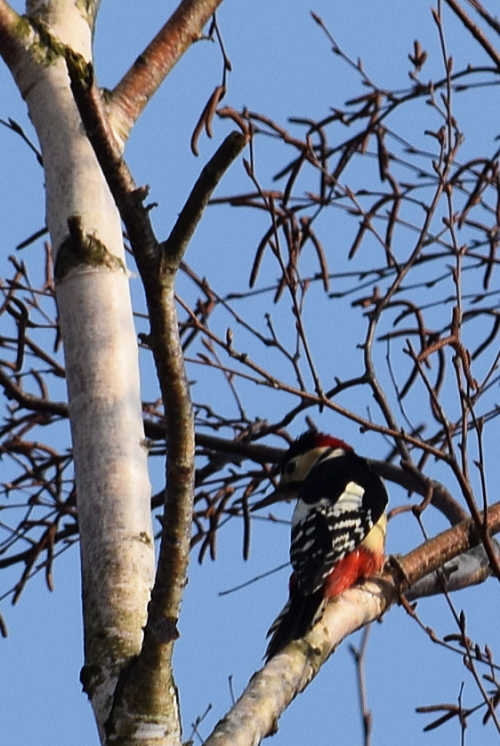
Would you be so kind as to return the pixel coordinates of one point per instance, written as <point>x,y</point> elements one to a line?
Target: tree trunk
<point>100,348</point>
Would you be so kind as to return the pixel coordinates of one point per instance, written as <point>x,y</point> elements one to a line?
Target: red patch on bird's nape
<point>323,440</point>
<point>310,440</point>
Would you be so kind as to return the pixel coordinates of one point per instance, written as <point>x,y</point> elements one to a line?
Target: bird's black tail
<point>298,615</point>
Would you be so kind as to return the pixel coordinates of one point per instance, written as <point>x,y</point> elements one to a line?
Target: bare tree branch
<point>143,79</point>
<point>271,690</point>
<point>12,45</point>
<point>475,31</point>
<point>149,679</point>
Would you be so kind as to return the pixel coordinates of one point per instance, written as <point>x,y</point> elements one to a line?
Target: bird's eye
<point>290,468</point>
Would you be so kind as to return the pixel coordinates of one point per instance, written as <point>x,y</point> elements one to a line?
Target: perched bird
<point>338,528</point>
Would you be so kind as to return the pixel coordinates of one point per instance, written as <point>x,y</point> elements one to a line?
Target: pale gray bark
<point>100,351</point>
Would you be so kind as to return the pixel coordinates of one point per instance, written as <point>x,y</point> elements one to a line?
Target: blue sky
<point>282,66</point>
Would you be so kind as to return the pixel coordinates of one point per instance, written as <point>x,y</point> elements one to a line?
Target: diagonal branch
<point>146,690</point>
<point>487,17</point>
<point>13,44</point>
<point>476,32</point>
<point>272,689</point>
<point>143,79</point>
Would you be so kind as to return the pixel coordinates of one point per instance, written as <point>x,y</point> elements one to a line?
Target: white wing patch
<point>350,499</point>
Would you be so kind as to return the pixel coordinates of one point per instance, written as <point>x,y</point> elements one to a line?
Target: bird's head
<point>297,462</point>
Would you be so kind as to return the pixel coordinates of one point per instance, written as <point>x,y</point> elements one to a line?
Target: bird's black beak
<point>280,494</point>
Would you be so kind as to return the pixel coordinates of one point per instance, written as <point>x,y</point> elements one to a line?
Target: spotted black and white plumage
<point>338,528</point>
<point>338,504</point>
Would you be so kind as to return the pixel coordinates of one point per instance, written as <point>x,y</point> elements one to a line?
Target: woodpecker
<point>338,528</point>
